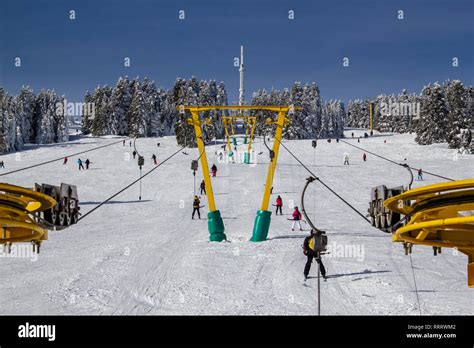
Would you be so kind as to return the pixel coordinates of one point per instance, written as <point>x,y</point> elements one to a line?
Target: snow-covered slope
<point>149,257</point>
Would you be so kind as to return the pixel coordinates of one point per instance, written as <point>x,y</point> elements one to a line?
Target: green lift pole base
<point>215,226</point>
<point>261,226</point>
<point>246,158</point>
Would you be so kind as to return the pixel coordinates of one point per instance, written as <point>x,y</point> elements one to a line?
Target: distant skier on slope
<point>79,162</point>
<point>134,153</point>
<point>364,157</point>
<point>196,206</point>
<point>296,219</point>
<point>279,205</point>
<point>154,159</point>
<point>311,251</point>
<point>420,174</point>
<point>203,187</point>
<point>214,170</point>
<point>2,164</point>
<point>88,163</point>
<point>346,158</point>
<point>65,160</point>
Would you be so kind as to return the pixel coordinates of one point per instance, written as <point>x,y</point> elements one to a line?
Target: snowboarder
<point>296,219</point>
<point>420,174</point>
<point>196,207</point>
<point>88,163</point>
<point>79,162</point>
<point>203,187</point>
<point>279,205</point>
<point>311,253</point>
<point>154,159</point>
<point>214,170</point>
<point>134,153</point>
<point>346,158</point>
<point>2,164</point>
<point>364,157</point>
<point>65,160</point>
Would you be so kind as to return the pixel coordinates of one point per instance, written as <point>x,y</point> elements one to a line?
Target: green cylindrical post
<point>215,226</point>
<point>261,226</point>
<point>234,141</point>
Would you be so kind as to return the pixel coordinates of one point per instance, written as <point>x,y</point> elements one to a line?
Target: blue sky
<point>386,54</point>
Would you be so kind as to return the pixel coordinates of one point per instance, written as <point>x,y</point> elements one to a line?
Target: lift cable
<point>130,185</point>
<point>324,184</point>
<point>394,162</point>
<point>61,158</point>
<point>416,287</point>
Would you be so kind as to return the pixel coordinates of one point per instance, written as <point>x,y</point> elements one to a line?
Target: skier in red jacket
<point>296,219</point>
<point>279,205</point>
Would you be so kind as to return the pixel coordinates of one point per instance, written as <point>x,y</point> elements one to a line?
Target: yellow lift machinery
<point>440,216</point>
<point>262,220</point>
<point>249,123</point>
<point>26,215</point>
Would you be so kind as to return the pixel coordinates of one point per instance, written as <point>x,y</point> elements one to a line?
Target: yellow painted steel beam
<point>204,164</point>
<point>272,165</point>
<point>276,108</point>
<point>253,121</point>
<point>229,146</point>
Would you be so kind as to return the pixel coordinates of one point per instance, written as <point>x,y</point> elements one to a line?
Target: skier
<point>154,159</point>
<point>296,219</point>
<point>196,207</point>
<point>279,205</point>
<point>134,153</point>
<point>420,174</point>
<point>346,158</point>
<point>130,143</point>
<point>385,141</point>
<point>214,170</point>
<point>353,135</point>
<point>203,187</point>
<point>123,142</point>
<point>2,164</point>
<point>311,252</point>
<point>88,163</point>
<point>337,140</point>
<point>364,157</point>
<point>358,139</point>
<point>158,144</point>
<point>79,162</point>
<point>65,160</point>
<point>220,156</point>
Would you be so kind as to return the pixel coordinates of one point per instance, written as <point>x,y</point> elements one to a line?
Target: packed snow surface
<point>149,257</point>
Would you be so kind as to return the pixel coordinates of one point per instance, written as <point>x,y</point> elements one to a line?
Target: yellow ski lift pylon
<point>16,206</point>
<point>440,216</point>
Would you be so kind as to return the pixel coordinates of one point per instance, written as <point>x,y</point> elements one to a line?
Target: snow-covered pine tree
<point>456,102</point>
<point>87,116</point>
<point>433,115</point>
<point>120,101</point>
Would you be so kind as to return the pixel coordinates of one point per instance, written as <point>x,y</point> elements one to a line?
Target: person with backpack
<point>79,162</point>
<point>312,247</point>
<point>196,206</point>
<point>154,159</point>
<point>88,163</point>
<point>279,205</point>
<point>296,219</point>
<point>203,187</point>
<point>214,170</point>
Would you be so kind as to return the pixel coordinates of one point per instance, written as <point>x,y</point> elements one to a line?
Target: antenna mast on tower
<point>241,70</point>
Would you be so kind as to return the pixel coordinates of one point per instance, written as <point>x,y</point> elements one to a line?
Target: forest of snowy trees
<point>441,113</point>
<point>30,118</point>
<point>315,120</point>
<point>136,108</point>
